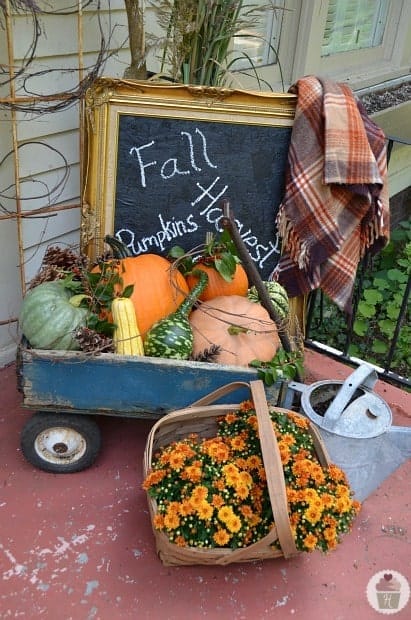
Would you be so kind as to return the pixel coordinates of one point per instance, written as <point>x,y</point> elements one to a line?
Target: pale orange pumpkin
<point>217,286</point>
<point>241,328</point>
<point>158,288</point>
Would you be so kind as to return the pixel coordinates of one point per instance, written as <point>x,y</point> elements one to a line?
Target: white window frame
<point>361,67</point>
<point>300,43</point>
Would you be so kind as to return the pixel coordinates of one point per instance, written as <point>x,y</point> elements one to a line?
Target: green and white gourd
<point>277,294</point>
<point>50,316</point>
<point>172,337</point>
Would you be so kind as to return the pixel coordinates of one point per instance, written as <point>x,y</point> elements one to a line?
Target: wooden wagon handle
<point>251,270</point>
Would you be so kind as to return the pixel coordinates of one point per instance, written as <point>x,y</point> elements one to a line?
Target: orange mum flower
<point>254,520</point>
<point>153,478</point>
<point>171,521</point>
<point>292,496</point>
<point>193,473</point>
<point>310,541</point>
<point>176,460</point>
<point>285,452</point>
<point>205,510</point>
<point>246,405</point>
<point>246,478</point>
<point>254,462</point>
<point>299,421</point>
<point>327,500</point>
<point>309,495</point>
<point>288,439</point>
<point>200,492</point>
<point>186,508</point>
<point>158,521</point>
<point>246,511</point>
<point>231,417</point>
<point>217,501</point>
<point>336,473</point>
<point>216,449</point>
<point>253,422</point>
<point>221,537</point>
<point>180,541</point>
<point>317,474</point>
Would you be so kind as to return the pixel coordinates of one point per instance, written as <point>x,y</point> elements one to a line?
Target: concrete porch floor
<point>80,546</point>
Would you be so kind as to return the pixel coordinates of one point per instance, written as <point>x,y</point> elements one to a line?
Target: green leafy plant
<point>383,289</point>
<point>97,290</point>
<point>284,366</point>
<point>218,251</point>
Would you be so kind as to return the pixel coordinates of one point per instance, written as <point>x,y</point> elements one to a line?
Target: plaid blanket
<point>335,206</point>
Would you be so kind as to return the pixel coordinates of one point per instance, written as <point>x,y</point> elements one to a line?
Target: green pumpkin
<point>49,320</point>
<point>277,294</point>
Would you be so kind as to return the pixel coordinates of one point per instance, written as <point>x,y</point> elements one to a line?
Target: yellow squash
<point>127,338</point>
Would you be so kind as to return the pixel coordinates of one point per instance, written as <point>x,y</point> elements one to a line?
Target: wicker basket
<point>200,418</point>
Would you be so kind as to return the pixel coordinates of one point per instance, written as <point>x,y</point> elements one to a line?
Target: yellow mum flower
<point>237,443</point>
<point>313,514</point>
<point>225,513</point>
<point>330,534</point>
<point>309,495</point>
<point>246,478</point>
<point>205,510</point>
<point>233,523</point>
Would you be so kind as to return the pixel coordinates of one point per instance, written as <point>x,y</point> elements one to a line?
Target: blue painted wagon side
<point>110,384</point>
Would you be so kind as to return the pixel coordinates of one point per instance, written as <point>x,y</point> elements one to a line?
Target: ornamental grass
<point>212,492</point>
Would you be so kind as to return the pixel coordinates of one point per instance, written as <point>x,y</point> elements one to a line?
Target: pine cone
<point>49,273</point>
<point>58,257</point>
<point>57,263</point>
<point>91,341</point>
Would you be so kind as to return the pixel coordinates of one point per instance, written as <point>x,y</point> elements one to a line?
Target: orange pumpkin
<point>217,286</point>
<point>241,328</point>
<point>158,289</point>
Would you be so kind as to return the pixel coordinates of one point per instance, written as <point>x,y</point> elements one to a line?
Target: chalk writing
<point>173,174</point>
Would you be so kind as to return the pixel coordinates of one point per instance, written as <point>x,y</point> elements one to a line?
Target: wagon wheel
<point>60,443</point>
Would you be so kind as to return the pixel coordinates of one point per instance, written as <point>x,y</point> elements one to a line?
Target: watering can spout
<point>364,376</point>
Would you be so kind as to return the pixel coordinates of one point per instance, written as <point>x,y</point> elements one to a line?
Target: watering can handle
<point>364,375</point>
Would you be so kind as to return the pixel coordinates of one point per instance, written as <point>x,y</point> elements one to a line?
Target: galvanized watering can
<point>356,426</point>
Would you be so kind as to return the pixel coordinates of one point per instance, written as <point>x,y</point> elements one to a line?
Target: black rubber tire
<point>60,443</point>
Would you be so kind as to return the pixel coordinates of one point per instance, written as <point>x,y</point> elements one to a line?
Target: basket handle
<point>220,392</point>
<point>274,470</point>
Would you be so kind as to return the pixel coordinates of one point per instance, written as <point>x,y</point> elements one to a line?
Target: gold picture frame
<point>125,177</point>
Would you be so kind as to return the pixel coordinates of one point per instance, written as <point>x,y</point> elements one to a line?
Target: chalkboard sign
<point>162,159</point>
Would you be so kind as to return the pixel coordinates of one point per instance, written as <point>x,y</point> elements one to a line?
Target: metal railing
<point>316,301</point>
